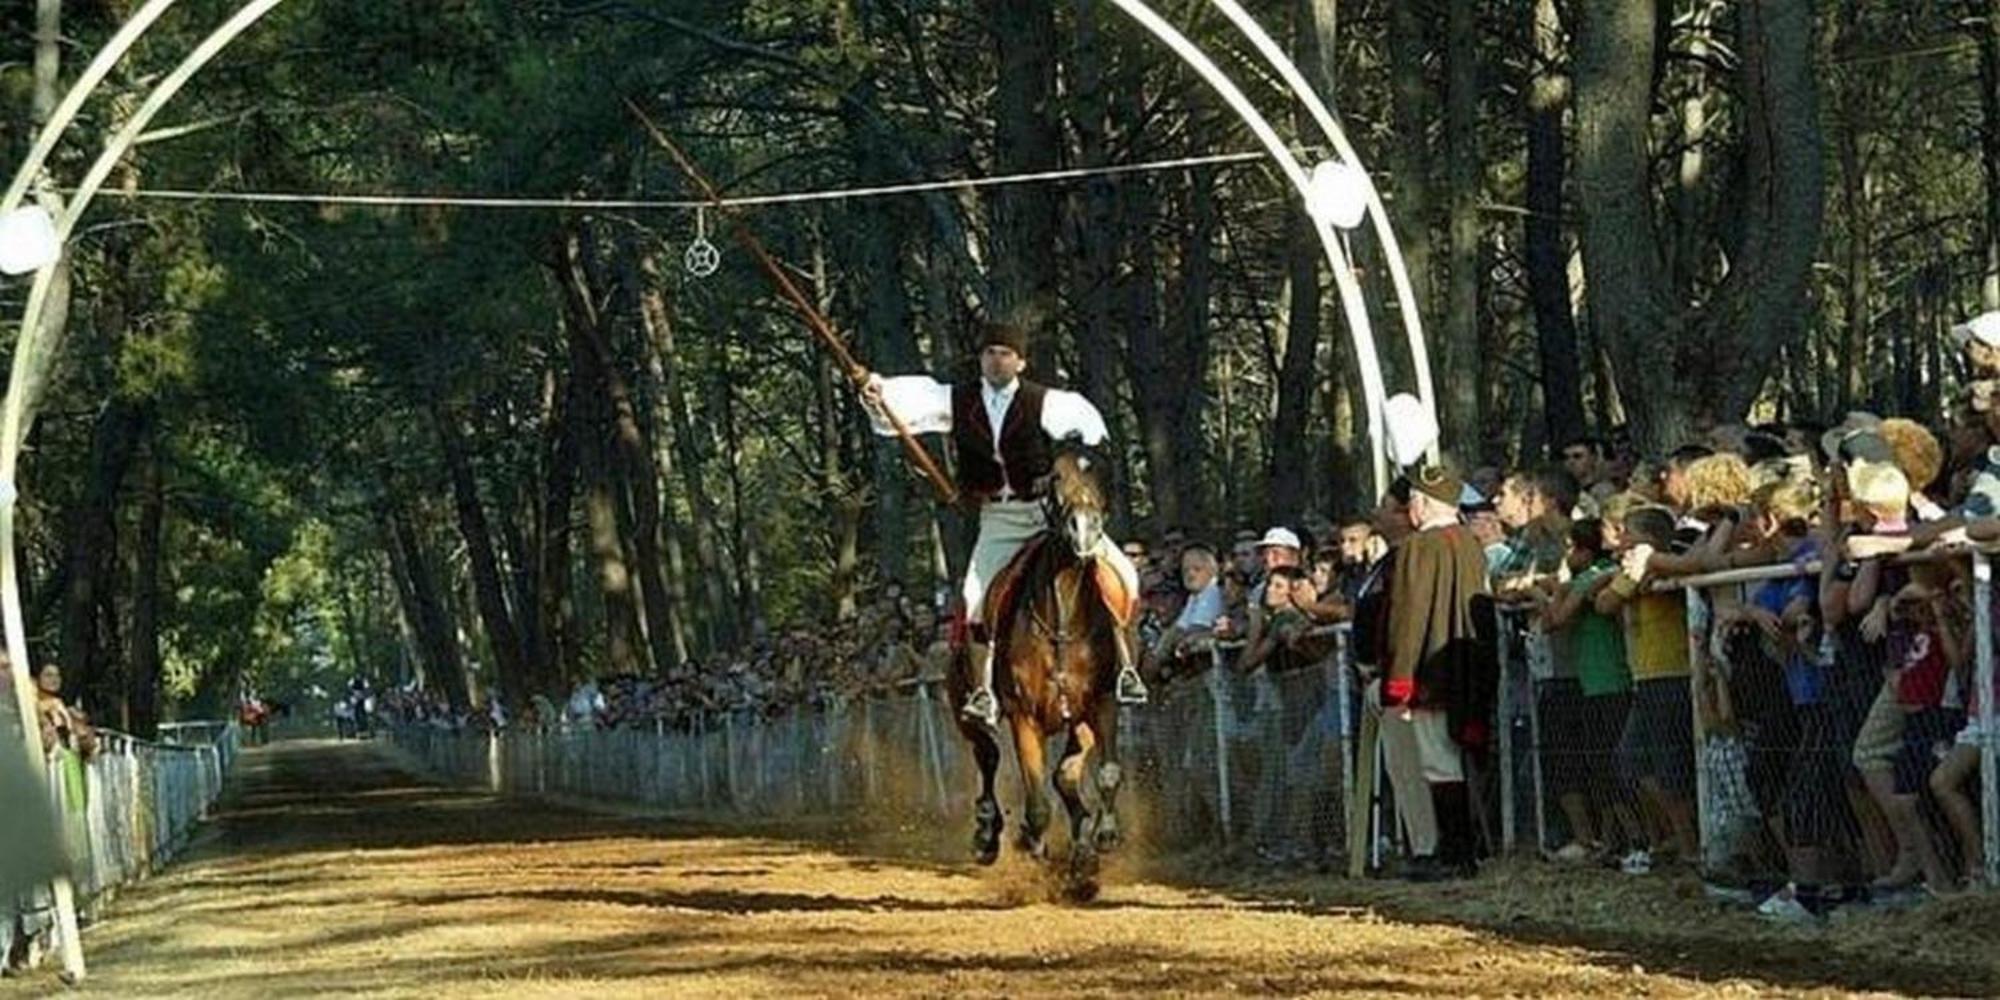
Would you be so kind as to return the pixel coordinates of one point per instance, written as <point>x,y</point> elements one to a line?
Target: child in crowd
<point>1961,759</point>
<point>1595,645</point>
<point>1657,745</point>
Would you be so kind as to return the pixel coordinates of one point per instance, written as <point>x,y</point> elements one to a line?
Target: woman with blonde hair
<point>1916,451</point>
<point>1719,480</point>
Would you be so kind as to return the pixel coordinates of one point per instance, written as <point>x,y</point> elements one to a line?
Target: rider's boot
<point>1131,688</point>
<point>980,706</point>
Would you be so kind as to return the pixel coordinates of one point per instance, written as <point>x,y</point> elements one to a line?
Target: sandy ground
<point>331,870</point>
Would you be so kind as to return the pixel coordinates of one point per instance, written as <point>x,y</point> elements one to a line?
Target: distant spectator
<point>1204,605</point>
<point>1658,742</point>
<point>1437,695</point>
<point>1486,481</point>
<point>1978,342</point>
<point>1534,508</point>
<point>1675,491</point>
<point>1599,813</point>
<point>1915,450</point>
<point>64,727</point>
<point>1279,548</point>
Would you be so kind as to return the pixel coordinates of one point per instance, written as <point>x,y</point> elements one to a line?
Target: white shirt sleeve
<point>923,403</point>
<point>1068,414</point>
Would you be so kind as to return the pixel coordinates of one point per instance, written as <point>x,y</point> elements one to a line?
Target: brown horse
<point>1055,668</point>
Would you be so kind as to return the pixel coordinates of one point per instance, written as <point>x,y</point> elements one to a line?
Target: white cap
<point>1984,328</point>
<point>1280,536</point>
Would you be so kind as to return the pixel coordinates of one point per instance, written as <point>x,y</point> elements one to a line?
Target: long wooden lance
<point>814,320</point>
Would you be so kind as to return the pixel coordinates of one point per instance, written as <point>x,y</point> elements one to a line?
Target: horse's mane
<point>1076,486</point>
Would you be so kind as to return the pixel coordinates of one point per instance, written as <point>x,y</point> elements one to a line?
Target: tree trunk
<point>89,665</point>
<point>1459,363</point>
<point>1629,301</point>
<point>503,640</point>
<point>656,350</point>
<point>1676,359</point>
<point>1026,139</point>
<point>1548,259</point>
<point>750,583</point>
<point>426,607</point>
<point>665,615</point>
<point>1288,492</point>
<point>145,682</point>
<point>1411,115</point>
<point>1093,282</point>
<point>1989,145</point>
<point>1166,359</point>
<point>595,427</point>
<point>555,656</point>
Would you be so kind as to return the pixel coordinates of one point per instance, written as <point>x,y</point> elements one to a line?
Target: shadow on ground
<point>330,868</point>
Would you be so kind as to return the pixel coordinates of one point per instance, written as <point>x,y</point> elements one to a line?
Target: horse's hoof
<point>1081,891</point>
<point>986,834</point>
<point>1108,837</point>
<point>1036,848</point>
<point>1081,884</point>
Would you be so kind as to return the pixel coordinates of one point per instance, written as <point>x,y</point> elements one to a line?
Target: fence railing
<point>1265,761</point>
<point>1218,757</point>
<point>126,811</point>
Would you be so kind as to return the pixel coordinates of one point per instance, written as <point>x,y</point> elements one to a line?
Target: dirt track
<point>331,870</point>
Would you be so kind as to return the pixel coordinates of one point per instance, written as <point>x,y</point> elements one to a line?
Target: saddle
<point>1121,600</point>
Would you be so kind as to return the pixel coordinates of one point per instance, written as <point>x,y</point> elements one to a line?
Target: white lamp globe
<point>1338,193</point>
<point>27,240</point>
<point>1412,428</point>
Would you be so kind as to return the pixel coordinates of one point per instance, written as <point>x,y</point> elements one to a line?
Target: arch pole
<point>1351,302</point>
<point>14,413</point>
<point>1329,126</point>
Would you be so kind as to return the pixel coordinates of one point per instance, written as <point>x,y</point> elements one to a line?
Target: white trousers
<point>1005,526</point>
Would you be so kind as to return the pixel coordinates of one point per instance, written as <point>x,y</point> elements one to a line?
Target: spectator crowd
<point>1830,707</point>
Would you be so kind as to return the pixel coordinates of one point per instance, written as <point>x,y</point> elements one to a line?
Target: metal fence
<point>1789,752</point>
<point>1253,761</point>
<point>1714,764</point>
<point>126,811</point>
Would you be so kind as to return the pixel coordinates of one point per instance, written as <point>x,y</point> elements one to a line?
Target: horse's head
<point>1076,501</point>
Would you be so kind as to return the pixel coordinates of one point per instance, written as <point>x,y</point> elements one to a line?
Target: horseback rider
<point>1003,429</point>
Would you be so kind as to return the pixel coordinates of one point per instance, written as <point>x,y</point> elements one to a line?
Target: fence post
<point>1509,663</point>
<point>1989,749</point>
<point>1538,778</point>
<point>1697,630</point>
<point>1343,693</point>
<point>1218,694</point>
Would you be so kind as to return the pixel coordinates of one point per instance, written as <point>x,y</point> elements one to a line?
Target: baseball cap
<point>1282,537</point>
<point>1984,328</point>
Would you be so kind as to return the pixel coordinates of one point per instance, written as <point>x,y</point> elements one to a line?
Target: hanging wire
<point>746,201</point>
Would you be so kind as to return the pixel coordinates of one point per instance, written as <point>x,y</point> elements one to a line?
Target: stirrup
<point>982,707</point>
<point>1132,688</point>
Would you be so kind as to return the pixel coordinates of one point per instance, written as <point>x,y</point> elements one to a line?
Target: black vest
<point>1025,453</point>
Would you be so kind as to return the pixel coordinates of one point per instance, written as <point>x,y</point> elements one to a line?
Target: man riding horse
<point>1004,429</point>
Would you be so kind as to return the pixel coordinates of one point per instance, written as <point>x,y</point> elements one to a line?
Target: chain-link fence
<point>1764,749</point>
<point>1255,760</point>
<point>1778,749</point>
<point>127,810</point>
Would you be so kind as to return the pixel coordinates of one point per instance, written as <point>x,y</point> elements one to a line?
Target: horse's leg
<point>1029,751</point>
<point>1071,775</point>
<point>1110,774</point>
<point>987,818</point>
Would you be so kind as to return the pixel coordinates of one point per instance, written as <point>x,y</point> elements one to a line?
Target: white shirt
<point>1202,609</point>
<point>924,405</point>
<point>997,403</point>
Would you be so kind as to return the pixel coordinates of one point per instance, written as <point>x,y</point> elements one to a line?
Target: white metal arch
<point>13,414</point>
